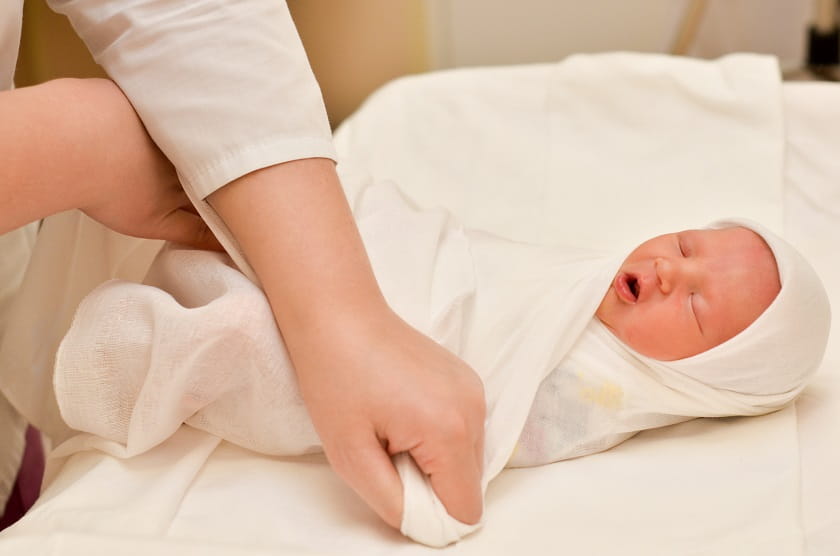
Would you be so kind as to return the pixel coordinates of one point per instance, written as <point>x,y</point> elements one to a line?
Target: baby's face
<point>681,294</point>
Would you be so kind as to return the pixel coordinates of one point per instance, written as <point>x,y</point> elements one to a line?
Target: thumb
<point>369,471</point>
<point>454,472</point>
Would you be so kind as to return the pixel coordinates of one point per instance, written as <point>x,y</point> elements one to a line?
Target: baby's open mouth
<point>634,286</point>
<point>627,287</point>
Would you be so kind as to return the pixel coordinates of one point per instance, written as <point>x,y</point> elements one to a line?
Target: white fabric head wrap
<point>770,361</point>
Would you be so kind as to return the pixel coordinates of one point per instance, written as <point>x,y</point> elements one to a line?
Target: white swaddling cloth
<point>198,344</point>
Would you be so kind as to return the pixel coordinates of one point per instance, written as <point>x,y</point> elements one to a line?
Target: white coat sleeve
<point>224,87</point>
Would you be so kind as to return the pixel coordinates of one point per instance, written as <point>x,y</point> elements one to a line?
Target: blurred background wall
<point>470,32</point>
<point>357,45</point>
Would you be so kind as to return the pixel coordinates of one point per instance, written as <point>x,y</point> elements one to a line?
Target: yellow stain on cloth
<point>608,395</point>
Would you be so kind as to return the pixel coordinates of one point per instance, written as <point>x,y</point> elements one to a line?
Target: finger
<point>456,479</point>
<point>368,469</point>
<point>184,227</point>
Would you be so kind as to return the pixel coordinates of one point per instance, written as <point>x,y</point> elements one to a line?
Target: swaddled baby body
<point>731,334</point>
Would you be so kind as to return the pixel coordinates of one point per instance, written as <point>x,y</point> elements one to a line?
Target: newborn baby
<point>576,351</point>
<point>705,310</point>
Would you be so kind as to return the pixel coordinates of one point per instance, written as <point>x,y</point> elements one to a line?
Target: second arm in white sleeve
<point>223,86</point>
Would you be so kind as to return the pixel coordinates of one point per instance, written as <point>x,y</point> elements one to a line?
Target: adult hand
<point>77,143</point>
<point>376,387</point>
<point>138,192</point>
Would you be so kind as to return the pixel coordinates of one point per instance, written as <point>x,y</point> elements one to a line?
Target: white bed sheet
<point>222,499</point>
<point>812,222</point>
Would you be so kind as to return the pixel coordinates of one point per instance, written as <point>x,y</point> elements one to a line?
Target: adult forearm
<point>294,224</point>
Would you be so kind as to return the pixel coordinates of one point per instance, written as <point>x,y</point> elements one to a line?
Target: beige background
<point>357,45</point>
<point>354,46</point>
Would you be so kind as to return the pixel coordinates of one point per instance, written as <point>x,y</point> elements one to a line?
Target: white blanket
<point>731,103</point>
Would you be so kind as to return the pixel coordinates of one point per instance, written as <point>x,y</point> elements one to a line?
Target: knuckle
<point>454,426</point>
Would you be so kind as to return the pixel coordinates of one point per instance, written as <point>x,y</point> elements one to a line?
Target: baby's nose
<point>667,274</point>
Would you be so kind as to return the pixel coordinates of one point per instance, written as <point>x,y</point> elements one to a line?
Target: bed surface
<point>195,494</point>
<point>812,222</point>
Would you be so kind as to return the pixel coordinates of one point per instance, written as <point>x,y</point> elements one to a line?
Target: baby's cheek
<point>635,337</point>
<point>647,329</point>
<point>632,331</point>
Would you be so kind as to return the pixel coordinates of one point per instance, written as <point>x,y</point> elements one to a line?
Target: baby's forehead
<point>739,251</point>
<point>733,240</point>
<point>746,270</point>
